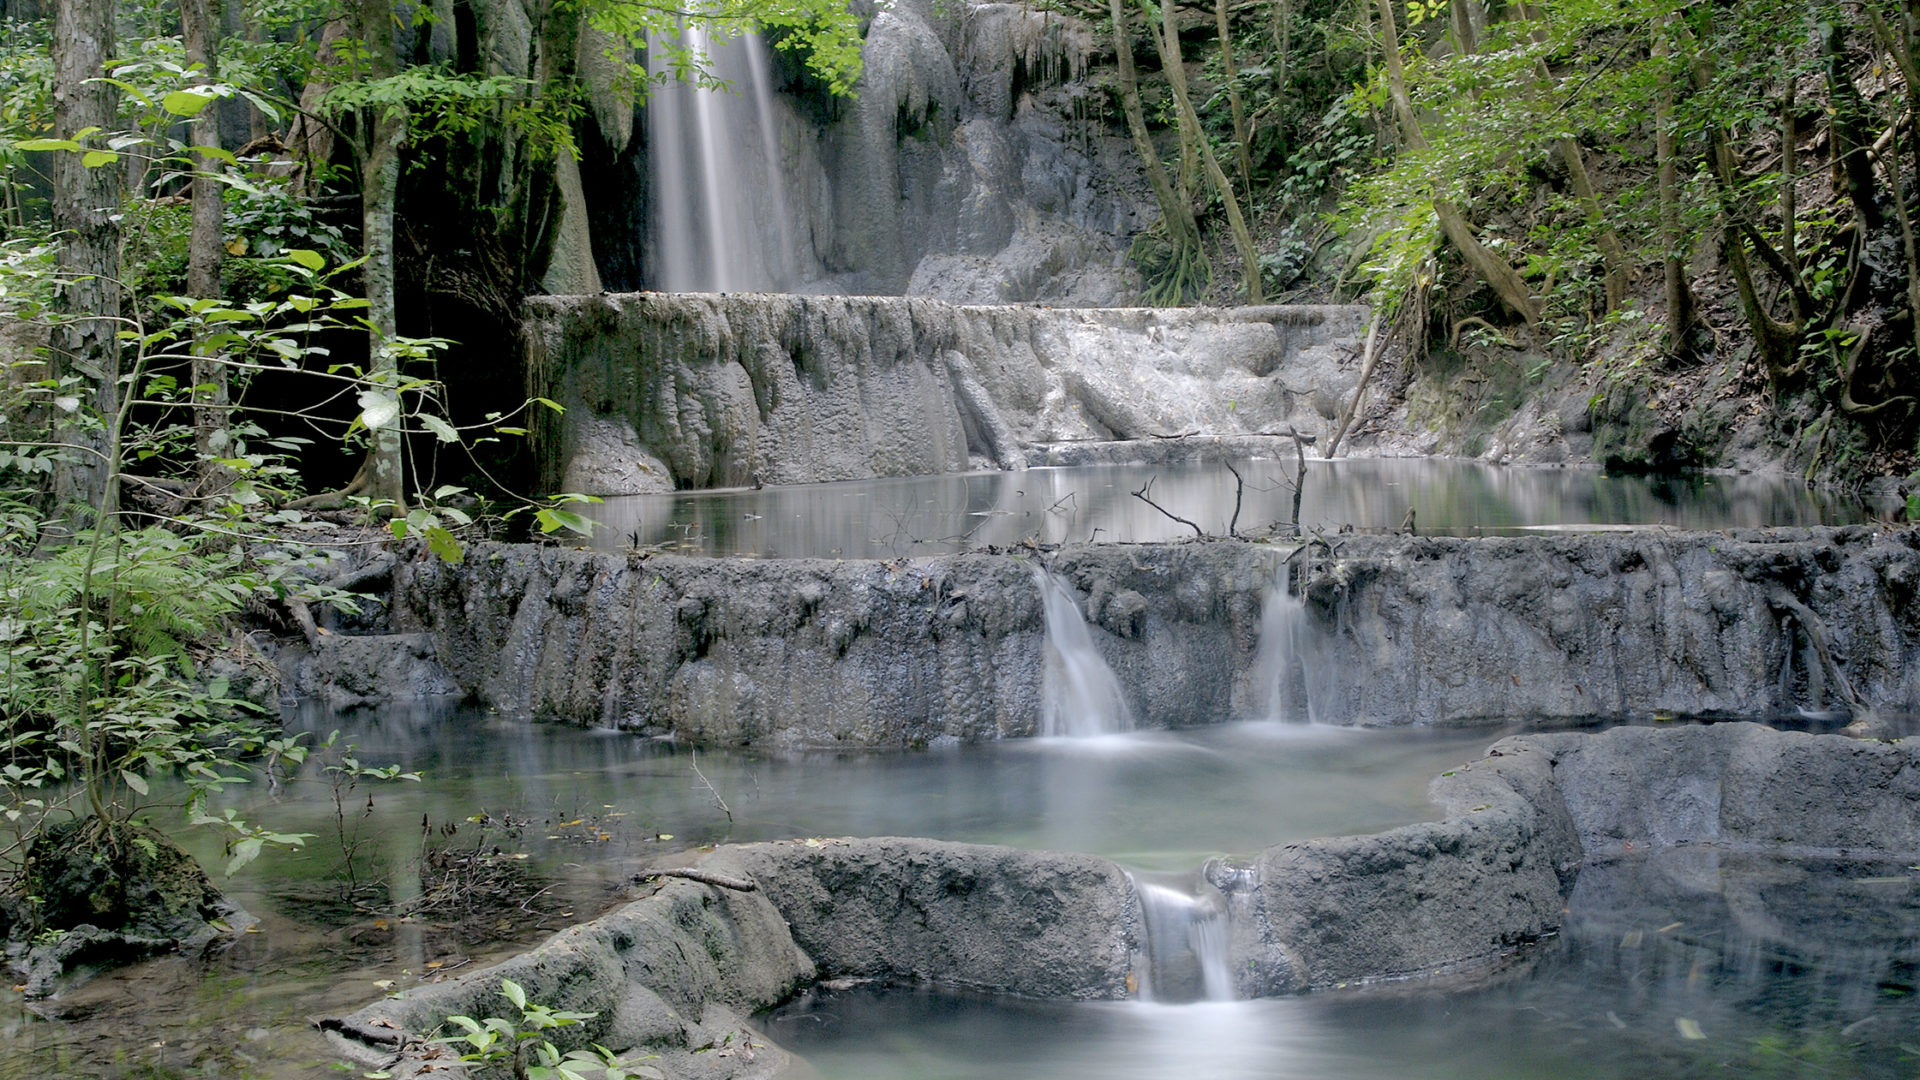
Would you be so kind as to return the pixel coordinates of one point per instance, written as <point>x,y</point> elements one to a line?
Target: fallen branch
<point>1359,391</point>
<point>704,877</point>
<point>1145,498</point>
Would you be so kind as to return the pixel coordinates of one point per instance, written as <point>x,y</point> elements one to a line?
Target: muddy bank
<point>677,971</point>
<point>1391,630</point>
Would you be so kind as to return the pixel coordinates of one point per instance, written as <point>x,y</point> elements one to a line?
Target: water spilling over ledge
<point>1399,630</point>
<point>1524,826</point>
<point>666,391</point>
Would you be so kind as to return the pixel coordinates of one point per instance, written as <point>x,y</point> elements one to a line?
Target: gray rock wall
<point>740,389</point>
<point>1399,630</point>
<point>1520,824</point>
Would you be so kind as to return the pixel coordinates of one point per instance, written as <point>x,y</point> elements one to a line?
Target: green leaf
<point>312,260</point>
<point>555,406</point>
<point>134,780</point>
<point>216,153</point>
<point>513,993</point>
<point>439,427</point>
<point>185,102</point>
<point>378,410</point>
<point>93,159</point>
<point>398,527</point>
<point>244,852</point>
<point>444,544</point>
<point>46,144</point>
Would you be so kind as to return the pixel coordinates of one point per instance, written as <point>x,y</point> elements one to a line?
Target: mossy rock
<point>132,880</point>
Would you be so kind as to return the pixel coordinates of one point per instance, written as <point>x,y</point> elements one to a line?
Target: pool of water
<point>580,811</point>
<point>941,514</point>
<point>1687,964</point>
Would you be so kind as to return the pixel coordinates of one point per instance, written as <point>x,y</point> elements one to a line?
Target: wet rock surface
<point>730,390</point>
<point>676,971</point>
<point>1399,630</point>
<point>101,903</point>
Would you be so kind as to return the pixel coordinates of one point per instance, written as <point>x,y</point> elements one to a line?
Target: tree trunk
<point>86,205</point>
<point>1183,233</point>
<point>1242,137</point>
<point>1507,282</point>
<point>1679,297</point>
<point>205,248</point>
<point>1189,122</point>
<point>385,130</point>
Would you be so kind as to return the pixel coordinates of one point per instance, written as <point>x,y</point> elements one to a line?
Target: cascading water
<point>719,194</point>
<point>1080,696</point>
<point>1186,944</point>
<point>1280,671</point>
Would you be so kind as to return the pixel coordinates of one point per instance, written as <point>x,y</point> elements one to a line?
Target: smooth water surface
<point>940,514</point>
<point>581,811</point>
<point>1687,964</point>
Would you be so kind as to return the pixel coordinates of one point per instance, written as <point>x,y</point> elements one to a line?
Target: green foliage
<point>526,1046</point>
<point>825,34</point>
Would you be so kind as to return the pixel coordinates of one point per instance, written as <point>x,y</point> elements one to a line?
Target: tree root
<point>1816,630</point>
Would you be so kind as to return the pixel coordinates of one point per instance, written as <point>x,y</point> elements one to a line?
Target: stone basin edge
<point>678,972</point>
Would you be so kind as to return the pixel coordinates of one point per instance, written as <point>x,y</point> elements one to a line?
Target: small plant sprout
<point>526,1047</point>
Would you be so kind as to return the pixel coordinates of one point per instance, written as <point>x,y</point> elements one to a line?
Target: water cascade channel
<point>1186,938</point>
<point>1081,697</point>
<point>721,214</point>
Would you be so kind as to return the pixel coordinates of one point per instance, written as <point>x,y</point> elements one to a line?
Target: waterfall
<point>719,194</point>
<point>1280,672</point>
<point>1186,943</point>
<point>1081,696</point>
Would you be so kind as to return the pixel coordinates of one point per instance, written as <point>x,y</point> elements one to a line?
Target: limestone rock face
<point>737,389</point>
<point>1398,630</point>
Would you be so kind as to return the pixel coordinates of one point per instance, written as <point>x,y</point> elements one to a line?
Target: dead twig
<point>711,790</point>
<point>704,877</point>
<point>1145,498</point>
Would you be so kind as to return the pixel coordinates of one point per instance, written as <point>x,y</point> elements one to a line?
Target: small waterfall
<point>1279,672</point>
<point>1081,696</point>
<point>721,214</point>
<point>1187,945</point>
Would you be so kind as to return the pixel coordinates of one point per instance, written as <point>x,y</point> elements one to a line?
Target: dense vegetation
<point>1683,203</point>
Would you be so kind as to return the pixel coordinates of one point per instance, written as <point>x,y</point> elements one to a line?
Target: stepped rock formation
<point>1540,817</point>
<point>1400,630</point>
<point>668,391</point>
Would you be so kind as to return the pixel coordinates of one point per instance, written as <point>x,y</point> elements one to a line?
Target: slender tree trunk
<point>1242,136</point>
<point>1850,140</point>
<point>1619,267</point>
<point>1190,123</point>
<point>379,194</point>
<point>86,206</point>
<point>1673,269</point>
<point>205,248</point>
<point>1507,283</point>
<point>1183,233</point>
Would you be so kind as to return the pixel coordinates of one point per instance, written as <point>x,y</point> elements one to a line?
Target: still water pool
<point>934,515</point>
<point>1687,964</point>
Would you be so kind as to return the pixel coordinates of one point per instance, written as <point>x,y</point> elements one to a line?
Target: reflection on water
<point>587,807</point>
<point>1687,964</point>
<point>1159,799</point>
<point>939,514</point>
